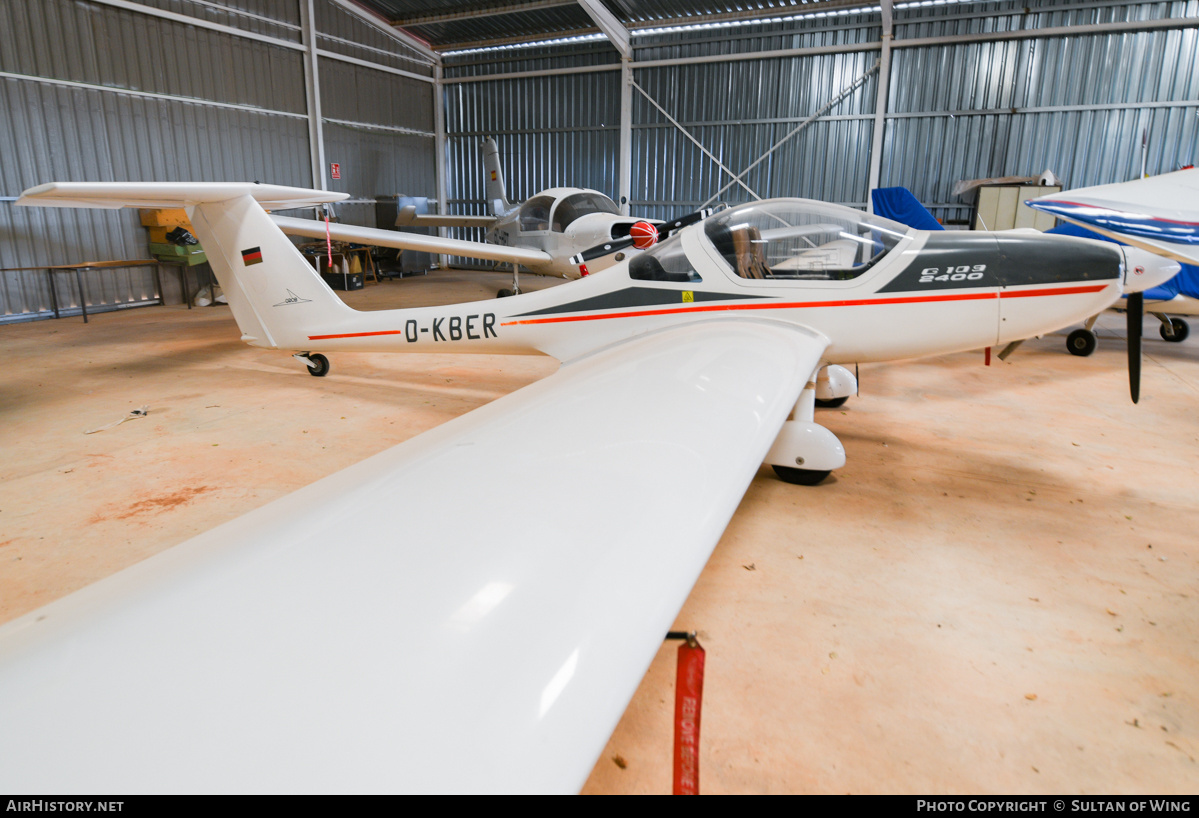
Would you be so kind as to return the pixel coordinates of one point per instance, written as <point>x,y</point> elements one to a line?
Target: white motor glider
<point>568,232</point>
<point>402,625</point>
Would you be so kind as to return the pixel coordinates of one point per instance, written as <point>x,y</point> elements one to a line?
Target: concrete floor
<point>997,594</point>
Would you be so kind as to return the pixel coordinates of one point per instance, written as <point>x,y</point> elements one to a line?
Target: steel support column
<point>439,159</point>
<point>624,172</point>
<point>312,90</point>
<point>880,106</point>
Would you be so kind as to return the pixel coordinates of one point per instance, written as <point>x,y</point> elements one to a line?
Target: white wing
<point>177,194</point>
<point>412,241</point>
<point>413,623</point>
<point>408,217</point>
<point>1159,214</point>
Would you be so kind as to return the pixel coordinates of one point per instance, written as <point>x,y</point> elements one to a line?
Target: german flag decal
<point>251,256</point>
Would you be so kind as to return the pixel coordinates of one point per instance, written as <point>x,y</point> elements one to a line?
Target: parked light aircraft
<point>563,231</point>
<point>1159,214</point>
<point>402,625</point>
<point>1165,303</point>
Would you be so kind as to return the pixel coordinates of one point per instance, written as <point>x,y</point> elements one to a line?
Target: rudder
<point>497,193</point>
<point>274,293</point>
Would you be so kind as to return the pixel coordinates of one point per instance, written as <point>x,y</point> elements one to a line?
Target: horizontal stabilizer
<point>170,194</point>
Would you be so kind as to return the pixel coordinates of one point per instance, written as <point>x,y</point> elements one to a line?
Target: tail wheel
<point>319,367</point>
<point>1081,342</point>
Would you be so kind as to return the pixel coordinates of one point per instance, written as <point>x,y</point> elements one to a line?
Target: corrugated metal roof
<point>454,24</point>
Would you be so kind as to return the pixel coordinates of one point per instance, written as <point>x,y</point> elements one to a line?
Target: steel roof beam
<point>613,29</point>
<point>476,13</point>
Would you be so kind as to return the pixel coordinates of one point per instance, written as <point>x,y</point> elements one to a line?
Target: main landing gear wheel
<point>832,403</point>
<point>1081,342</point>
<point>505,293</point>
<point>320,367</point>
<point>1181,329</point>
<point>800,477</point>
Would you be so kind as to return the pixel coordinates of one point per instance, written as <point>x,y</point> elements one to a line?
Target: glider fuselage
<point>931,293</point>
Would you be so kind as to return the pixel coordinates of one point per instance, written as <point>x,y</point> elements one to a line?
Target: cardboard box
<point>168,218</point>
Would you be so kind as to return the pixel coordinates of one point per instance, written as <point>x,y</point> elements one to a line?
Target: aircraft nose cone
<point>1143,270</point>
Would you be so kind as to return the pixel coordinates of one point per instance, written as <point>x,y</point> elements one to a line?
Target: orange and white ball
<point>644,235</point>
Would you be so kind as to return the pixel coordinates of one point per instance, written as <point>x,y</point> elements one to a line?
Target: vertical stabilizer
<point>497,193</point>
<point>272,289</point>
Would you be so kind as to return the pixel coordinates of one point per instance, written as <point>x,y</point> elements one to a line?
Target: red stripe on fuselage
<point>356,335</point>
<point>774,305</point>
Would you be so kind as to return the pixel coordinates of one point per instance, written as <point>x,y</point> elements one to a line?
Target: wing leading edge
<point>404,625</point>
<point>1158,213</point>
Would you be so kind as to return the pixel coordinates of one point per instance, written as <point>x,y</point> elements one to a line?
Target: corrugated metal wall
<point>1074,103</point>
<point>97,92</point>
<point>1077,105</point>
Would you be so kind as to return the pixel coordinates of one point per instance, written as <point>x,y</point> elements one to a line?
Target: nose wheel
<point>1174,330</point>
<point>1081,342</point>
<point>508,293</point>
<point>318,365</point>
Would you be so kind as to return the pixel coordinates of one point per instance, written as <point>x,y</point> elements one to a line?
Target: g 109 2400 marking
<point>962,272</point>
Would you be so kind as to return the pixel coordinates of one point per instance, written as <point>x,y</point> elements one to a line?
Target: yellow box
<point>176,217</point>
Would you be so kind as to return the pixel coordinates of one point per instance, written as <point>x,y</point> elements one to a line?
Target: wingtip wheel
<point>318,365</point>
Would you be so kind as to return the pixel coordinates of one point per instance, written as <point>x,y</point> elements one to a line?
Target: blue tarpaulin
<point>1186,282</point>
<point>898,204</point>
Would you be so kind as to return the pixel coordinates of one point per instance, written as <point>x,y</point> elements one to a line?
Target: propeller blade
<point>663,231</point>
<point>601,250</point>
<point>683,221</point>
<point>1136,317</point>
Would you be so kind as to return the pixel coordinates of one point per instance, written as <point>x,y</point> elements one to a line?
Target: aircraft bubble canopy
<point>801,239</point>
<point>581,204</point>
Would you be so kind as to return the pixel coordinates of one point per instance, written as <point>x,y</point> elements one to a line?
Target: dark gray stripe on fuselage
<point>637,297</point>
<point>955,260</point>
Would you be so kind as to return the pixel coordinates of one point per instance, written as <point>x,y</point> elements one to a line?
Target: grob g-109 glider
<point>401,625</point>
<point>564,231</point>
